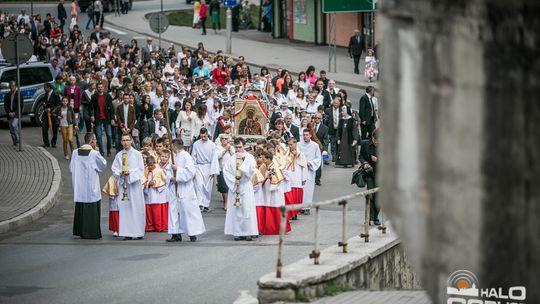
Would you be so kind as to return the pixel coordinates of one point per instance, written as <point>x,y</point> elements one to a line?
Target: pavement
<point>378,297</point>
<point>42,262</point>
<point>29,180</point>
<point>259,48</point>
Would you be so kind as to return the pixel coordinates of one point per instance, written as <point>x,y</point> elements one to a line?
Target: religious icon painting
<point>251,118</point>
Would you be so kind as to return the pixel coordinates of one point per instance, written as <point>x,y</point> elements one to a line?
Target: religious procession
<point>163,182</point>
<point>183,122</point>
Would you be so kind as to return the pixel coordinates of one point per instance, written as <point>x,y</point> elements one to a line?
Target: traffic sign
<point>159,23</point>
<point>230,3</point>
<point>340,6</point>
<point>9,48</point>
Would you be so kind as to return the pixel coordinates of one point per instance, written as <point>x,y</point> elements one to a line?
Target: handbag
<point>358,179</point>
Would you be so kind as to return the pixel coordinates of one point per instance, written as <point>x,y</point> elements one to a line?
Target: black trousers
<point>356,59</point>
<point>373,210</point>
<point>318,175</point>
<point>366,130</point>
<point>333,146</point>
<point>45,131</point>
<point>203,25</point>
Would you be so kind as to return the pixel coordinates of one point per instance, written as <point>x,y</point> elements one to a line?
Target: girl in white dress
<point>184,124</point>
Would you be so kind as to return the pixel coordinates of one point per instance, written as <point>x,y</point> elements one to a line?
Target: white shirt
<point>126,111</point>
<point>85,175</point>
<point>335,113</point>
<point>312,108</point>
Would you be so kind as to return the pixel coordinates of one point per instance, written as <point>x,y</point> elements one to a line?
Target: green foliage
<point>185,17</point>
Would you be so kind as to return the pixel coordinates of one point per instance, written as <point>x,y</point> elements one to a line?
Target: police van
<point>33,76</point>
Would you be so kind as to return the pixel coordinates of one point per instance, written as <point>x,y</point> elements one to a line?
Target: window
<point>33,76</point>
<point>9,75</point>
<point>29,76</point>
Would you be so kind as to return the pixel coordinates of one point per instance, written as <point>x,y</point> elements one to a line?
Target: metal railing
<point>342,201</point>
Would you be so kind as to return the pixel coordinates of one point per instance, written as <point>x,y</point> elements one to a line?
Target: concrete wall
<point>388,270</point>
<point>346,23</point>
<point>460,147</point>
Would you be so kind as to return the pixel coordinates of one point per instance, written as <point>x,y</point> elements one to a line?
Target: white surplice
<point>204,154</point>
<point>313,156</point>
<point>241,220</point>
<point>184,213</point>
<point>132,211</point>
<point>85,175</point>
<point>296,170</point>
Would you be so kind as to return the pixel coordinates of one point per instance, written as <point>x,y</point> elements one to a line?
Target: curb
<point>153,35</point>
<point>44,205</point>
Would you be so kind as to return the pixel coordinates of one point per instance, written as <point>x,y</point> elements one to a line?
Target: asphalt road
<point>43,263</point>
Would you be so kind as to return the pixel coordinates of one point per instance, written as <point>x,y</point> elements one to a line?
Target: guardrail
<point>342,201</point>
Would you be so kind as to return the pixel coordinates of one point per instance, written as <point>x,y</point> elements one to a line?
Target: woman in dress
<point>303,82</point>
<point>300,101</point>
<point>370,71</point>
<point>184,124</point>
<point>347,138</point>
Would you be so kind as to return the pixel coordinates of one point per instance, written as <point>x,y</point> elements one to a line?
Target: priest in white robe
<point>241,217</point>
<point>132,210</point>
<point>85,166</point>
<point>184,213</point>
<point>205,155</point>
<point>312,153</point>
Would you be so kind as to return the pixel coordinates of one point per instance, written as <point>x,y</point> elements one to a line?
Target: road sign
<point>340,6</point>
<point>230,3</point>
<point>159,23</point>
<point>9,49</point>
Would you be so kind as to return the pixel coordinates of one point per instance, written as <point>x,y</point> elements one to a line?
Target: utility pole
<point>229,30</point>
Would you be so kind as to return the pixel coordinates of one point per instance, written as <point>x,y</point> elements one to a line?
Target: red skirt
<point>157,216</point>
<point>294,197</point>
<point>114,219</point>
<point>269,220</point>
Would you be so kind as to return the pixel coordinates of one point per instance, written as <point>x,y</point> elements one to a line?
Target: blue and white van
<point>33,76</point>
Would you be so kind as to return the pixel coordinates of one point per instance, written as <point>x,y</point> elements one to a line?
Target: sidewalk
<point>29,181</point>
<point>378,297</point>
<point>258,48</point>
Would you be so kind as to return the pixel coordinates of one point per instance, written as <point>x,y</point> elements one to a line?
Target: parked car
<point>33,75</point>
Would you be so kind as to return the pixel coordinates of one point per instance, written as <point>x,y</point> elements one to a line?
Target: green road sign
<point>349,6</point>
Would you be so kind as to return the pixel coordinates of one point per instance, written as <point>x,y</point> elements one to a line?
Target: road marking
<point>114,30</point>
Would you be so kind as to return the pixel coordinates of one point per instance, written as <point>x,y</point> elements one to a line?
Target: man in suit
<point>146,49</point>
<point>62,14</point>
<point>366,112</point>
<point>103,117</point>
<point>291,129</point>
<point>97,35</point>
<point>333,114</point>
<point>13,102</point>
<point>368,159</point>
<point>156,125</point>
<point>51,101</point>
<point>356,46</point>
<point>321,131</point>
<point>126,118</point>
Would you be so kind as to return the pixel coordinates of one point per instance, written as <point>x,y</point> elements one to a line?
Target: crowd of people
<point>169,117</point>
